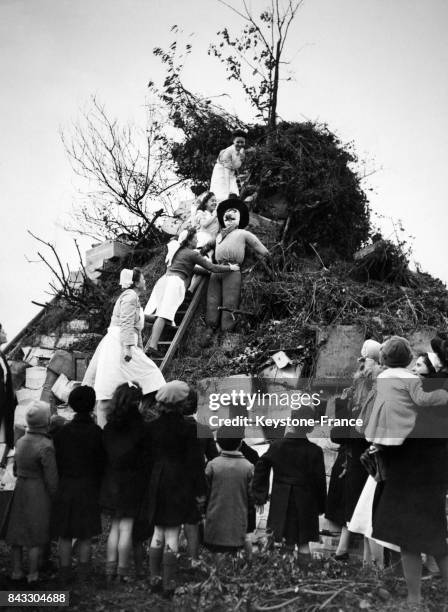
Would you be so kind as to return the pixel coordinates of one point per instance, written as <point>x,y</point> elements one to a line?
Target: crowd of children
<point>151,476</point>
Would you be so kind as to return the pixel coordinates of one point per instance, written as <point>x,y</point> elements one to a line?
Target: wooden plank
<point>340,347</point>
<point>368,250</point>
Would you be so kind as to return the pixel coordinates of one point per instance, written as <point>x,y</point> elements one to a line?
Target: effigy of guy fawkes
<point>224,289</point>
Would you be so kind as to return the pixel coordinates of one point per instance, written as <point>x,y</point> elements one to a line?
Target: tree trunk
<point>272,122</point>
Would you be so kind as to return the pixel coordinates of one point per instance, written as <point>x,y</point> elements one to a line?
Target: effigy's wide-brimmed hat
<point>238,205</point>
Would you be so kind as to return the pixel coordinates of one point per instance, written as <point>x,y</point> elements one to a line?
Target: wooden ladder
<point>172,336</point>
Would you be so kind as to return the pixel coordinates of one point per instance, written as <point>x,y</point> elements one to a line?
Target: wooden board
<point>338,355</point>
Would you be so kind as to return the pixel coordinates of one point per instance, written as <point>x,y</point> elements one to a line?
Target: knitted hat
<point>82,399</point>
<point>238,205</point>
<point>371,350</point>
<point>38,415</point>
<point>173,392</point>
<point>396,353</point>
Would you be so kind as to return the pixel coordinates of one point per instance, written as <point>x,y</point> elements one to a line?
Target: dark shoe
<point>17,583</point>
<point>64,576</point>
<point>154,353</point>
<point>155,585</point>
<point>110,571</point>
<point>168,594</point>
<point>341,558</point>
<point>84,572</point>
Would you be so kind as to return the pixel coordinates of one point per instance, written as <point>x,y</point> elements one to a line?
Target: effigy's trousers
<point>224,289</point>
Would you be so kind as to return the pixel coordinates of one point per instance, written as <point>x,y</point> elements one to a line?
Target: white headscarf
<point>174,246</point>
<point>126,278</point>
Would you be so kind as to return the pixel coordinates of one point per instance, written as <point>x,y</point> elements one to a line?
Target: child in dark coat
<point>177,481</point>
<point>80,459</point>
<point>229,478</point>
<point>299,487</point>
<point>125,478</point>
<point>37,482</point>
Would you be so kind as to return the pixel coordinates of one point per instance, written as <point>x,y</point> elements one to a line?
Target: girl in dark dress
<point>80,462</point>
<point>177,477</point>
<point>125,478</point>
<point>298,489</point>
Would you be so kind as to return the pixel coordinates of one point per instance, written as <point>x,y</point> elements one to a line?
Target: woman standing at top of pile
<point>230,160</point>
<point>119,357</point>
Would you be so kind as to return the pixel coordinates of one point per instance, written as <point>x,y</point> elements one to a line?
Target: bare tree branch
<point>125,169</point>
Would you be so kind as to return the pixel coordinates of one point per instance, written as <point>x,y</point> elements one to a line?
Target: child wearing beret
<point>177,480</point>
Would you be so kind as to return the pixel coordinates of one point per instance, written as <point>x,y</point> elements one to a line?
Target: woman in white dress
<point>119,357</point>
<point>230,160</point>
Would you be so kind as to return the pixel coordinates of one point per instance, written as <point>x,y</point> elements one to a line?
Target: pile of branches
<point>308,299</point>
<point>287,310</point>
<point>277,582</point>
<point>313,170</point>
<point>384,261</point>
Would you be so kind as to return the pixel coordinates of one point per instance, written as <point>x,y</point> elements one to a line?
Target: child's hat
<point>82,399</point>
<point>396,352</point>
<point>38,415</point>
<point>173,392</point>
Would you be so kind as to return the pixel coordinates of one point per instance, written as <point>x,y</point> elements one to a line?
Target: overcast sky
<point>374,70</point>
